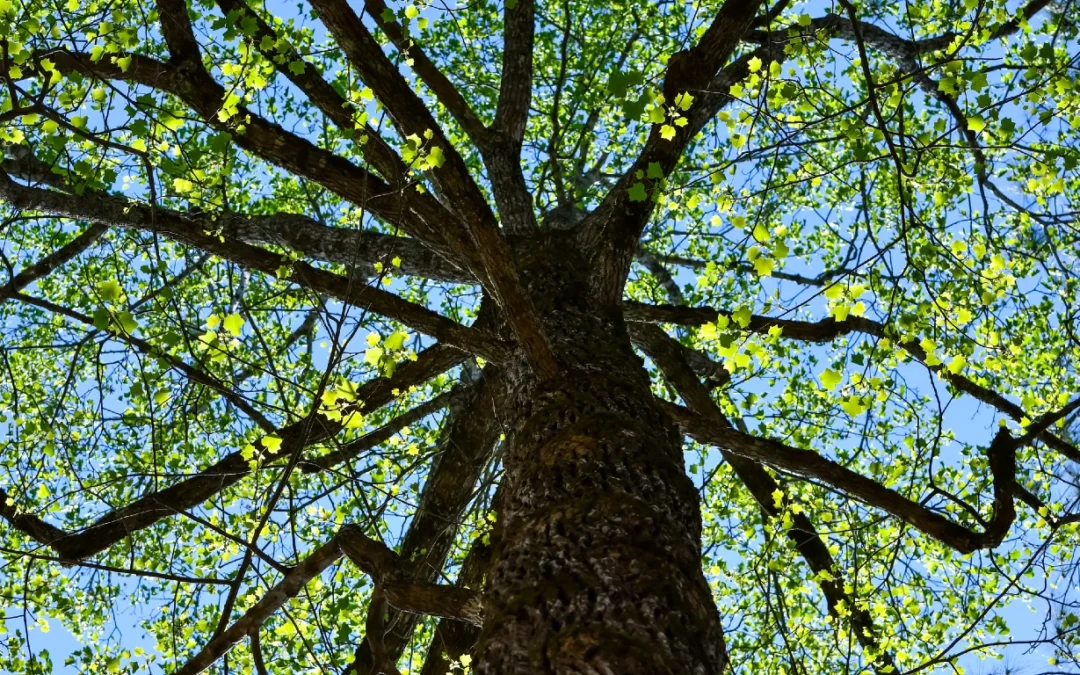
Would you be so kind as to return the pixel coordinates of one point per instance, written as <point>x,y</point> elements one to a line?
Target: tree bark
<point>599,568</point>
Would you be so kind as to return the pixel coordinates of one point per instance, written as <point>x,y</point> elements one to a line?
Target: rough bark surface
<point>599,567</point>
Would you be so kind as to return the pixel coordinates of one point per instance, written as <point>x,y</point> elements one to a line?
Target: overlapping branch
<point>809,464</point>
<point>613,229</point>
<point>466,446</point>
<point>485,248</point>
<point>190,82</point>
<point>103,208</point>
<point>360,250</point>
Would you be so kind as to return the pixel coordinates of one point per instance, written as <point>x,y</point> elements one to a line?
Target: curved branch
<point>829,329</point>
<point>809,464</point>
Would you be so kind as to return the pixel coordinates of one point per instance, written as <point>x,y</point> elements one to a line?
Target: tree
<point>568,337</point>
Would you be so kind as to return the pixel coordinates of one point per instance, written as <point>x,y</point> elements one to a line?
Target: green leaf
<point>272,443</point>
<point>830,378</point>
<point>742,316</point>
<point>396,341</point>
<point>109,290</point>
<point>637,192</point>
<point>234,323</point>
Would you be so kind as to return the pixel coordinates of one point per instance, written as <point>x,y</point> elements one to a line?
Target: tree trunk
<point>598,570</point>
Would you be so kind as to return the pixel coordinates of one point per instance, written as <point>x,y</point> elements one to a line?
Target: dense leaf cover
<point>244,248</point>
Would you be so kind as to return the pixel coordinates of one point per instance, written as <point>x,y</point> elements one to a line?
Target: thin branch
<point>382,434</point>
<point>43,267</point>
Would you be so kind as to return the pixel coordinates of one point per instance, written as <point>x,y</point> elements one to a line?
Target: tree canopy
<point>261,263</point>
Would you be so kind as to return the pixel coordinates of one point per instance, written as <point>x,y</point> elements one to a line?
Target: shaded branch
<point>489,256</point>
<point>468,440</point>
<point>611,232</point>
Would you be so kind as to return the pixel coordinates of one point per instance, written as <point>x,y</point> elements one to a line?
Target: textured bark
<point>599,566</point>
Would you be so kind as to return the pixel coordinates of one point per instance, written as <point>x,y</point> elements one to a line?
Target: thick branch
<point>286,589</point>
<point>488,252</point>
<point>669,355</point>
<point>196,88</point>
<point>468,441</point>
<point>829,329</point>
<point>613,229</point>
<point>809,464</point>
<point>149,509</point>
<point>444,90</point>
<point>374,559</point>
<point>360,249</point>
<point>454,638</point>
<point>102,208</point>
